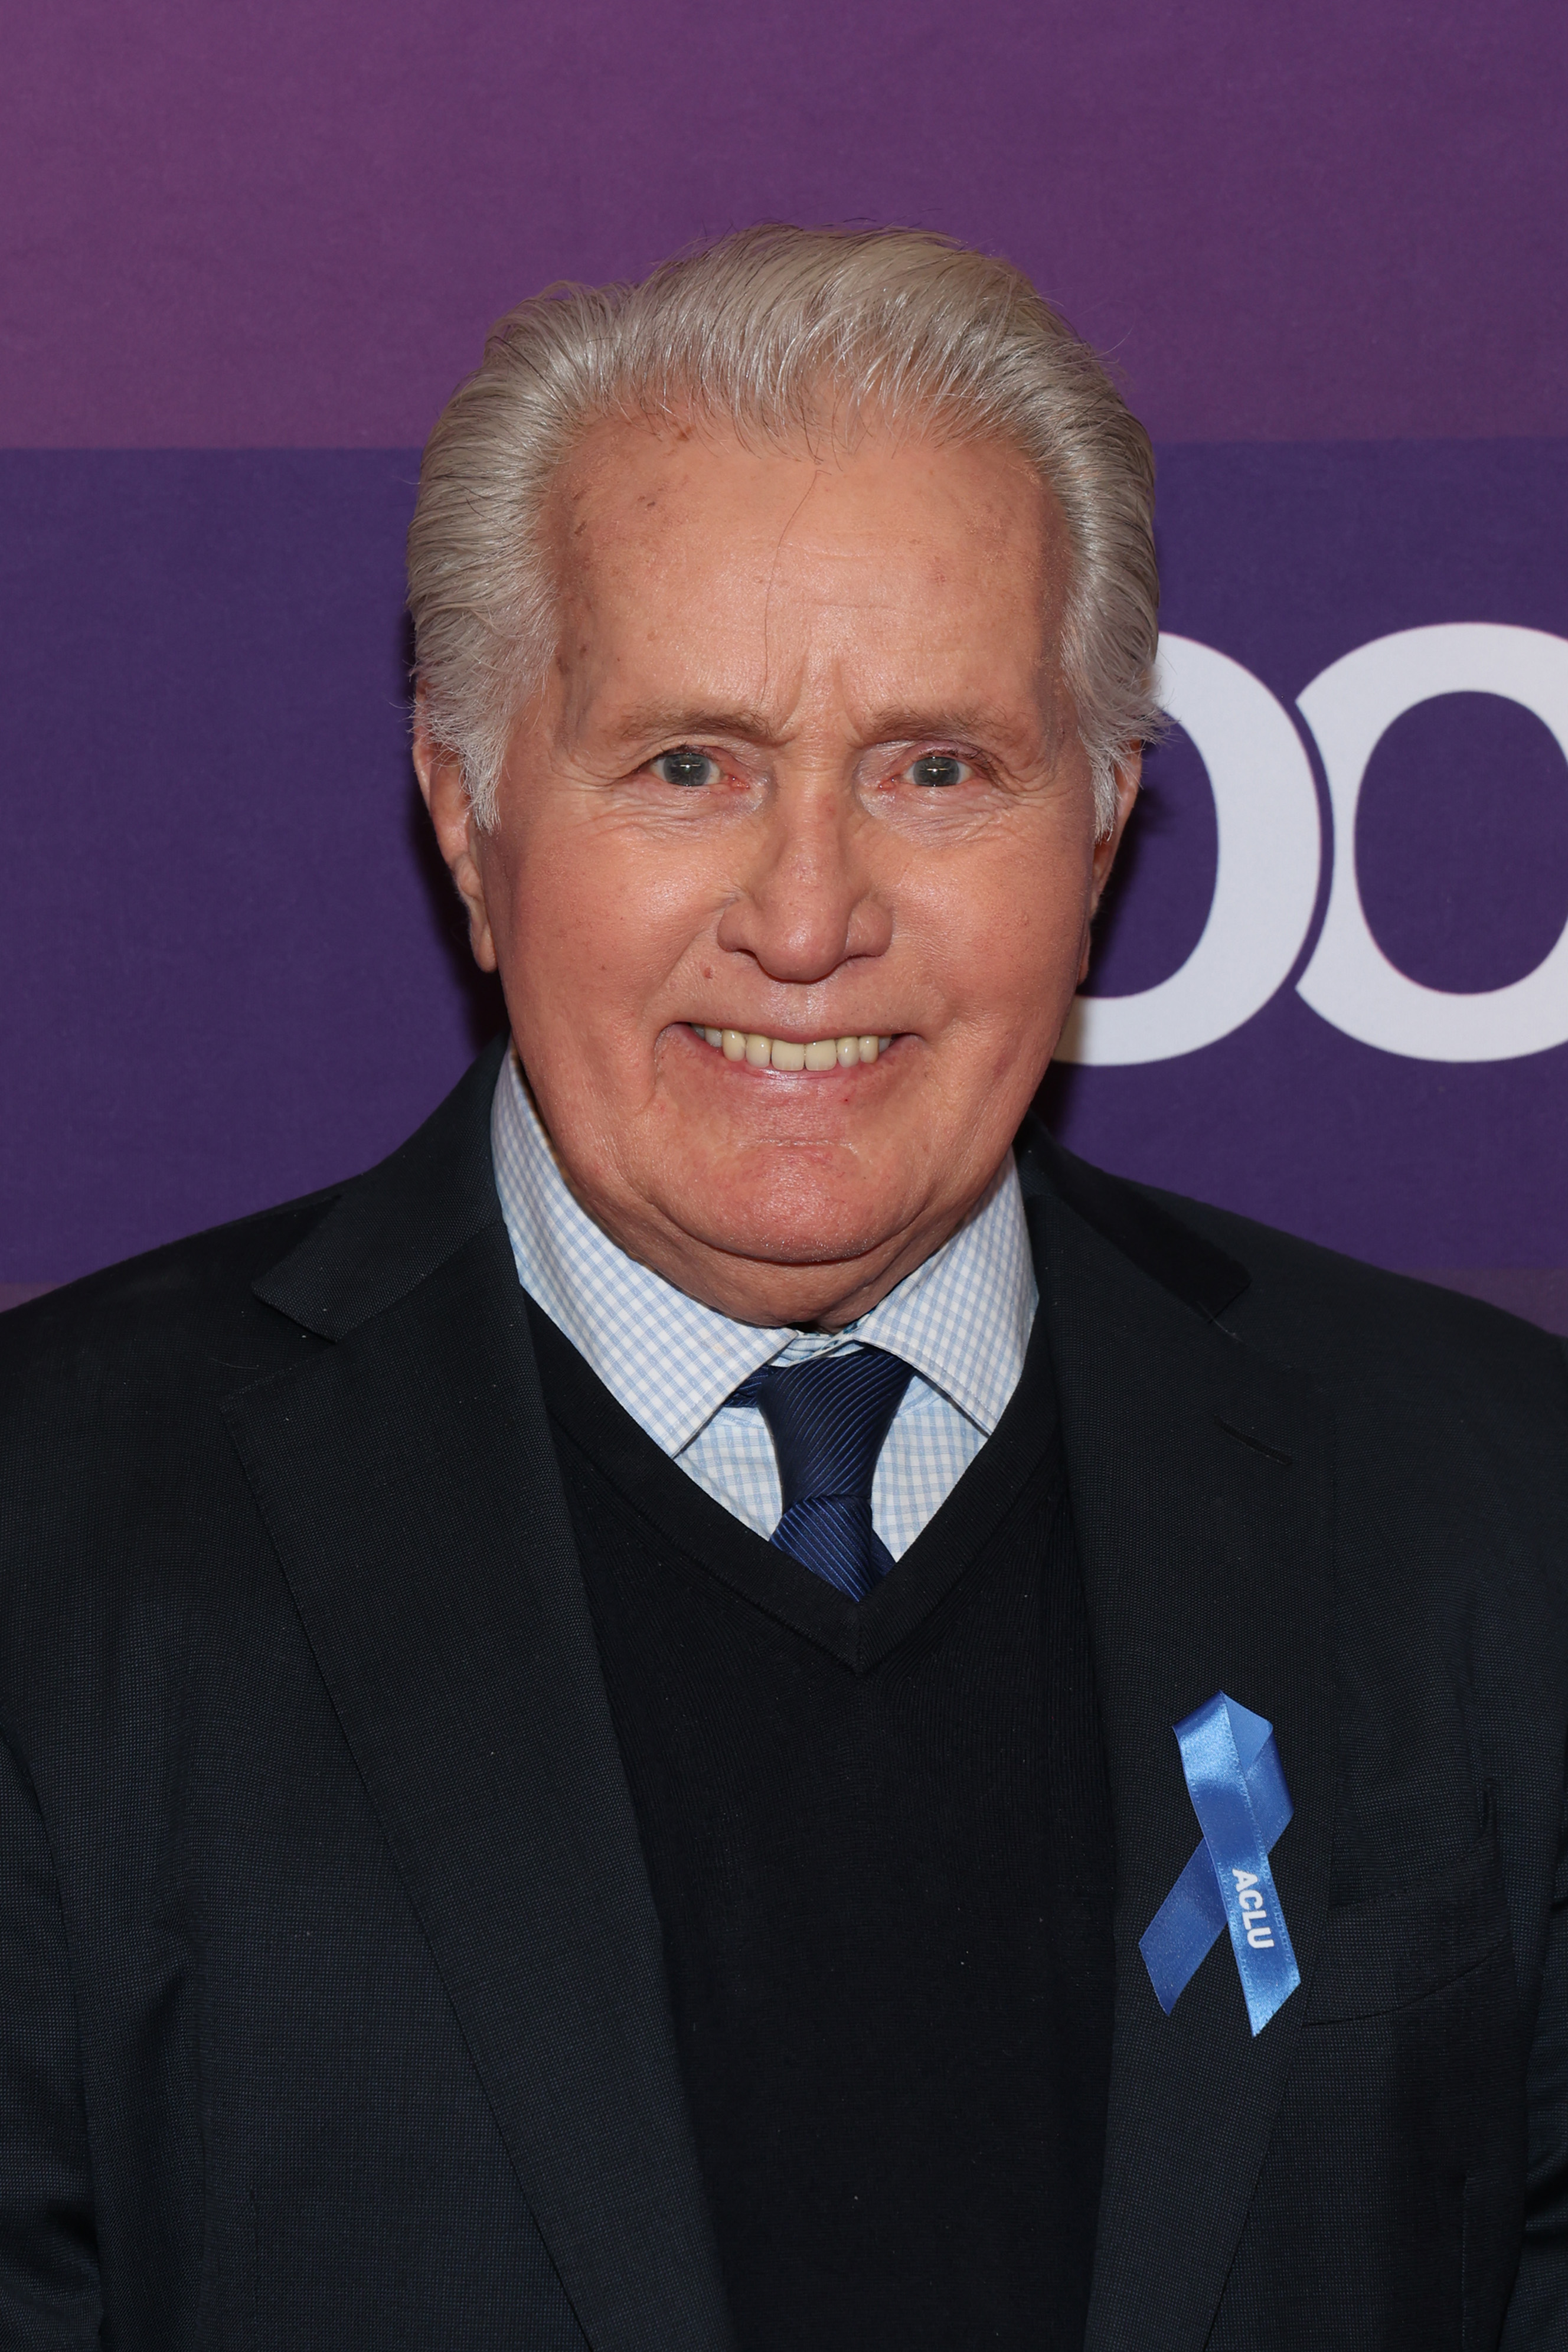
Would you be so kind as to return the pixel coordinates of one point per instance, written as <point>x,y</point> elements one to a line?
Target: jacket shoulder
<point>1331,1316</point>
<point>170,1310</point>
<point>1340,1318</point>
<point>121,1500</point>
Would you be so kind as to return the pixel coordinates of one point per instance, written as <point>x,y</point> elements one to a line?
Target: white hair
<point>779,332</point>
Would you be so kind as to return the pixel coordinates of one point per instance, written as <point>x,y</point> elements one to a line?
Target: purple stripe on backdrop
<point>292,224</point>
<point>231,974</point>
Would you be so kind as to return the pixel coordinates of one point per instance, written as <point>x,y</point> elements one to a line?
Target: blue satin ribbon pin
<point>1238,1794</point>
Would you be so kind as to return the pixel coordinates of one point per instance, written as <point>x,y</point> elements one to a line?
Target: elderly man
<point>732,1706</point>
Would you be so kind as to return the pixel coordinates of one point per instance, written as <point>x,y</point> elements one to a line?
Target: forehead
<point>693,516</point>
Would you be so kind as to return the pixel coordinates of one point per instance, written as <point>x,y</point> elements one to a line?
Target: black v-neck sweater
<point>879,1840</point>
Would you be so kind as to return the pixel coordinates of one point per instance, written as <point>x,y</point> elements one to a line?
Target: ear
<point>446,792</point>
<point>1129,770</point>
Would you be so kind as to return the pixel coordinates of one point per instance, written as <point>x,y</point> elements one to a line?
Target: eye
<point>685,766</point>
<point>934,769</point>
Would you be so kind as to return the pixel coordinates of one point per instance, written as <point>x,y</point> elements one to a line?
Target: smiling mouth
<point>823,1053</point>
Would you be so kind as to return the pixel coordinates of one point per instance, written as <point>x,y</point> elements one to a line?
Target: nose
<point>806,903</point>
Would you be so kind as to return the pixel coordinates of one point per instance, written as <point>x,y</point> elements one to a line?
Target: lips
<point>823,1053</point>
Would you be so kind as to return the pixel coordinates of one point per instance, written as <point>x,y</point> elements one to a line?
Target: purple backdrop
<point>242,263</point>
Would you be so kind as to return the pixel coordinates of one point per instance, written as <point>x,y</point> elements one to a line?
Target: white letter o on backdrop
<point>1349,707</point>
<point>1266,885</point>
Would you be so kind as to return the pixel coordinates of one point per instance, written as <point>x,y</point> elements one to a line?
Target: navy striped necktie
<point>828,1417</point>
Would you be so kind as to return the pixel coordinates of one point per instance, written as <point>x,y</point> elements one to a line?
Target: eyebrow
<point>976,722</point>
<point>674,723</point>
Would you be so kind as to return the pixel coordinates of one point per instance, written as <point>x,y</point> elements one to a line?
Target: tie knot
<point>828,1417</point>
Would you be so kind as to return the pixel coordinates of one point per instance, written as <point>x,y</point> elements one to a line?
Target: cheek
<point>1008,944</point>
<point>595,925</point>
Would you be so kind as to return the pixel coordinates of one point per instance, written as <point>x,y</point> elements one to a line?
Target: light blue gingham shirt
<point>962,1319</point>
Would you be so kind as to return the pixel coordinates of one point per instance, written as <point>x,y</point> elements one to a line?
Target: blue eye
<point>685,766</point>
<point>934,769</point>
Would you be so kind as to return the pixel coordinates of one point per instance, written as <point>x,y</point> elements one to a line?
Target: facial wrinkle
<point>789,521</point>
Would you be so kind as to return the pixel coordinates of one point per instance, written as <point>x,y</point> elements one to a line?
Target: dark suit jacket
<point>334,2006</point>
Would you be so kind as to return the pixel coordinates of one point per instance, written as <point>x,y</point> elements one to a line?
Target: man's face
<point>804,770</point>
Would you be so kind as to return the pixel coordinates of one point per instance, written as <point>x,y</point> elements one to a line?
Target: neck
<point>823,1297</point>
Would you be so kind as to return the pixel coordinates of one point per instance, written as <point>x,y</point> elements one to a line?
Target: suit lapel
<point>408,1478</point>
<point>1201,1485</point>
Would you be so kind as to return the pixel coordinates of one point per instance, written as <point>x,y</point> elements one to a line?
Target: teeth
<point>783,1054</point>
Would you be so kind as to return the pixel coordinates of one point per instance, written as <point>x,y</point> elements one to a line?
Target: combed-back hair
<point>779,334</point>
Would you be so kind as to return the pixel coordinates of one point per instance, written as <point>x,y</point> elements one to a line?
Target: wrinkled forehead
<point>689,542</point>
<point>643,492</point>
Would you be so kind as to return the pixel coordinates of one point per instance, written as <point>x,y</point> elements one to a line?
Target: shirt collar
<point>962,1319</point>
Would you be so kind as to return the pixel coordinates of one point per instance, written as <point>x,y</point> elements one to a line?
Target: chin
<point>800,1228</point>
